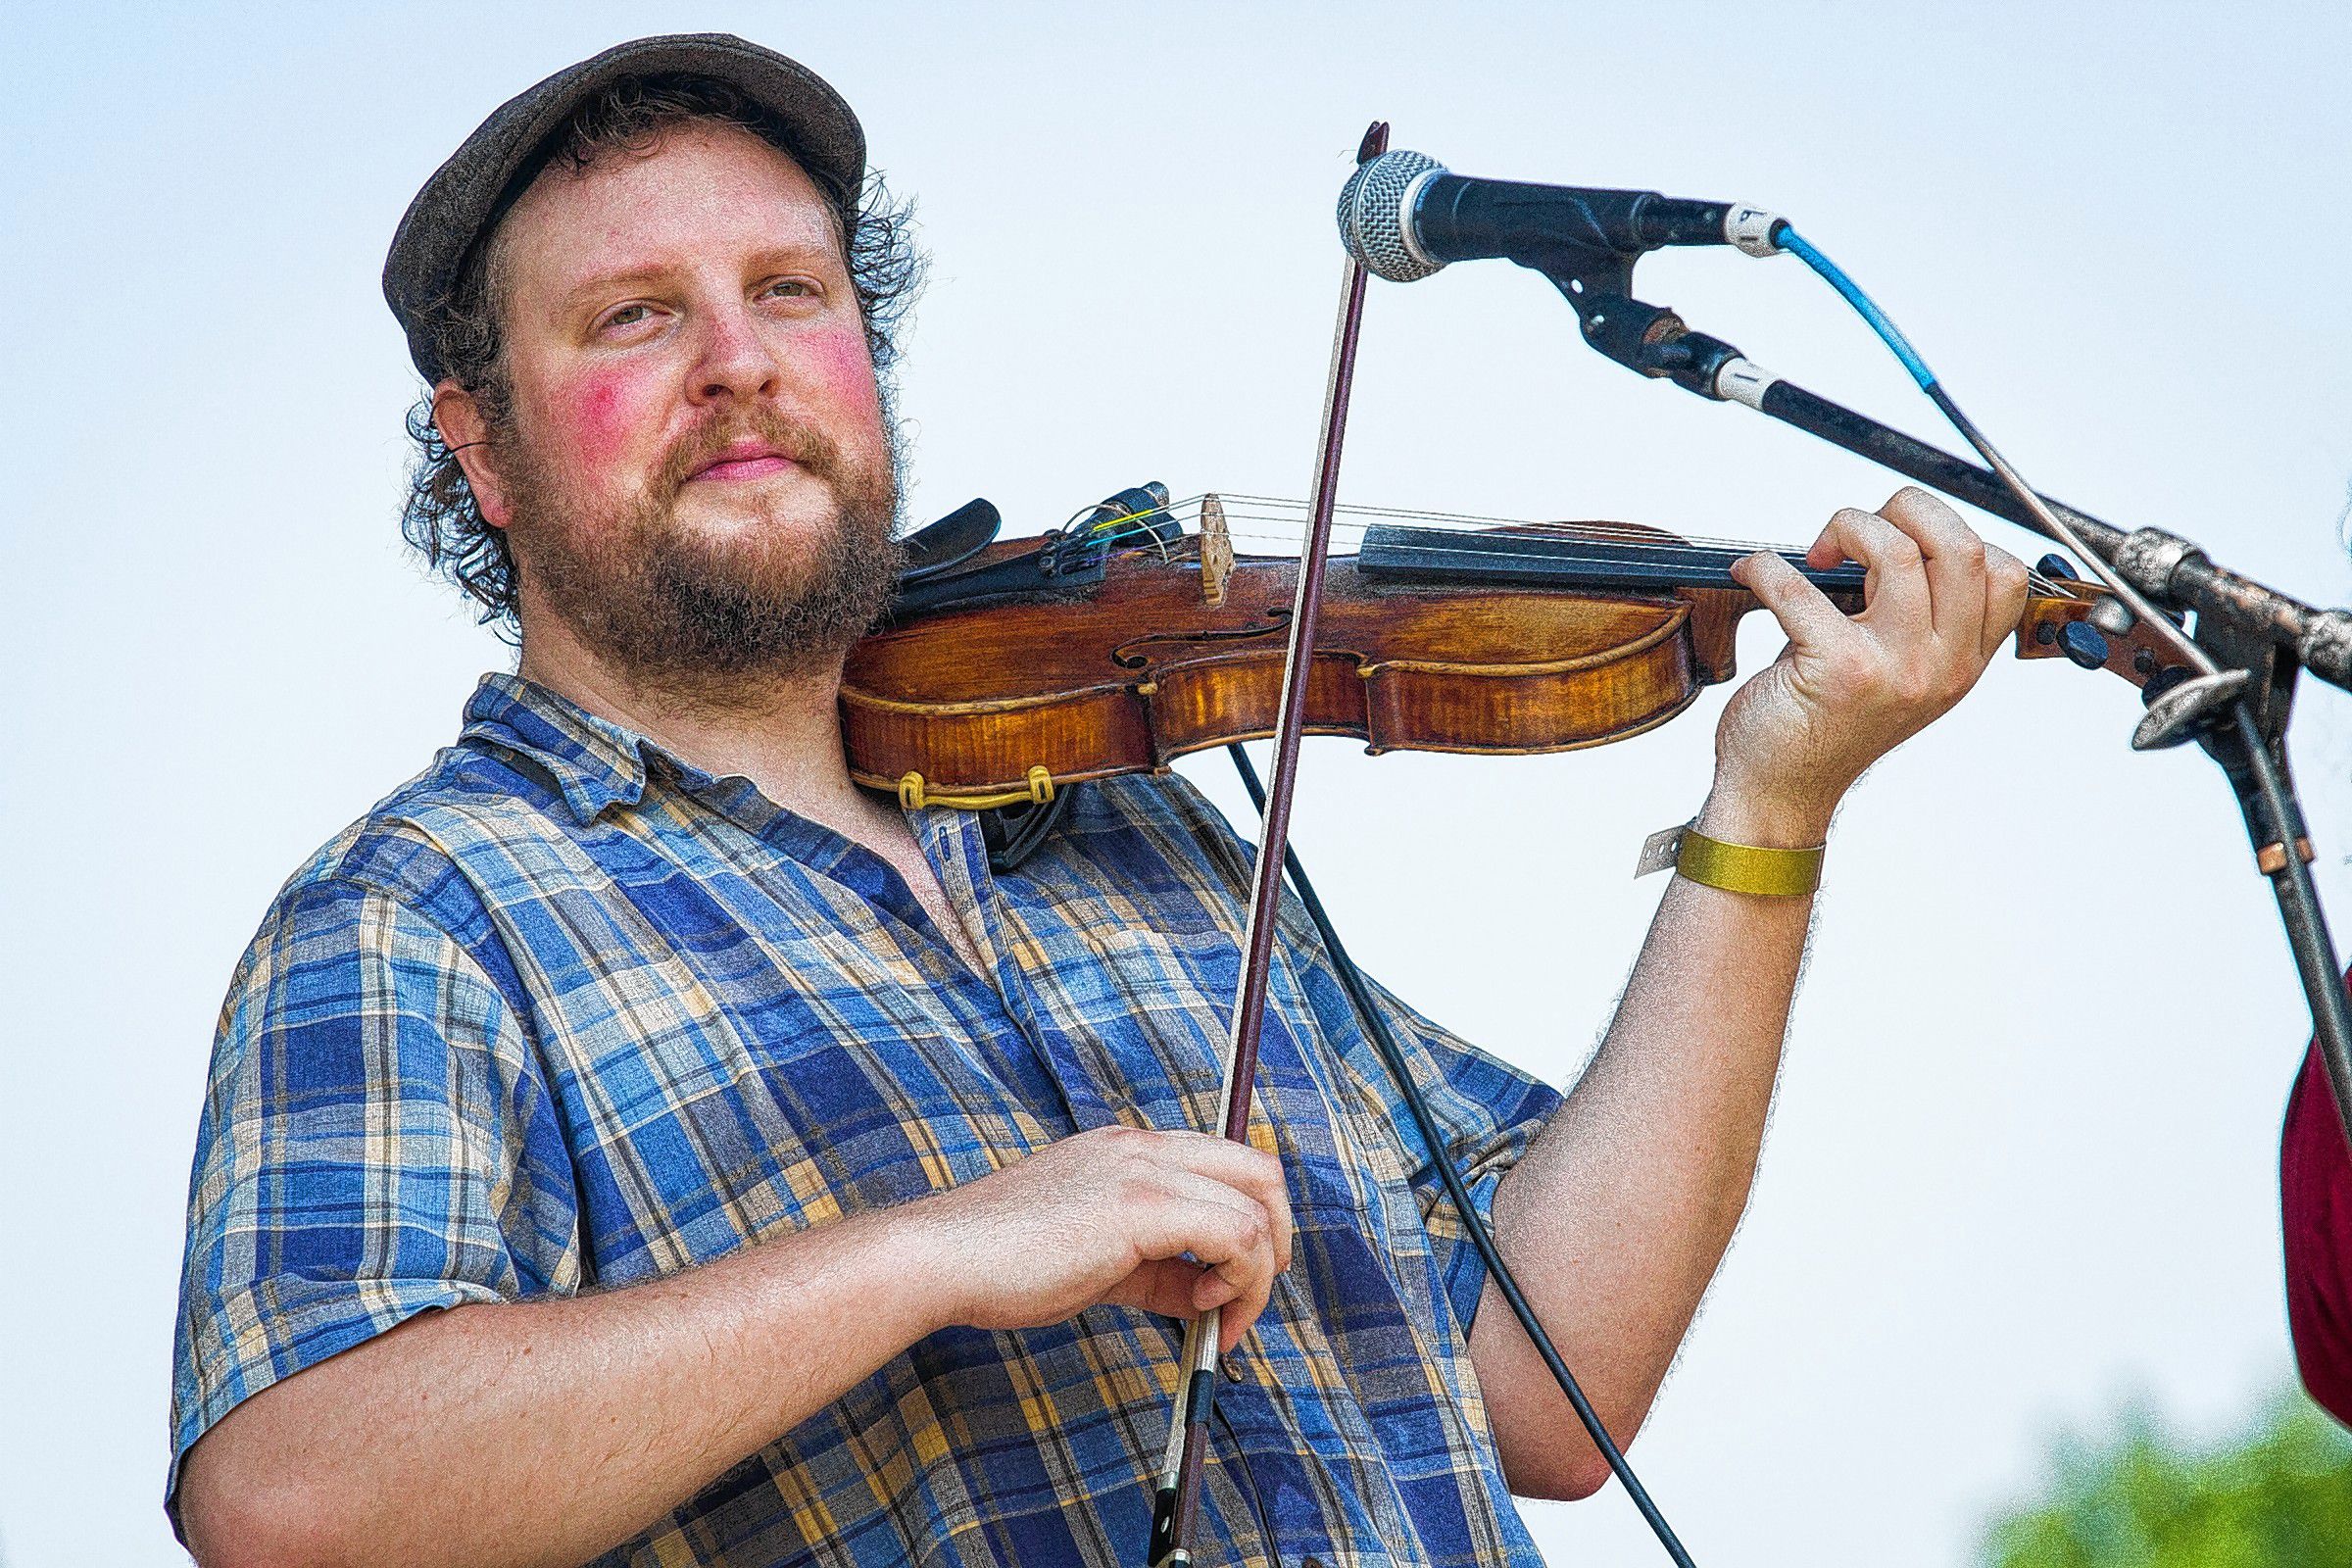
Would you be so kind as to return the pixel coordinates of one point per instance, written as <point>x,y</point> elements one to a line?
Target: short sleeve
<point>1487,1111</point>
<point>376,1141</point>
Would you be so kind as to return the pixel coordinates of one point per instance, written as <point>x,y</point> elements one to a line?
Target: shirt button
<point>1233,1374</point>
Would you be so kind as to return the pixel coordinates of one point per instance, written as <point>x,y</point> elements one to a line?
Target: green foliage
<point>2280,1498</point>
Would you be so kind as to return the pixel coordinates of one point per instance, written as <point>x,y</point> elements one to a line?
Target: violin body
<point>999,701</point>
<point>1139,669</point>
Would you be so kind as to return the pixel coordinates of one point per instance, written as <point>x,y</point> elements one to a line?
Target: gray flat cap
<point>466,195</point>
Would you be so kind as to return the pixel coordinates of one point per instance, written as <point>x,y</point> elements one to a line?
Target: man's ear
<point>463,430</point>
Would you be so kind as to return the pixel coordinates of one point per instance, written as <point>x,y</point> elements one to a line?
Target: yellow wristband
<point>1733,867</point>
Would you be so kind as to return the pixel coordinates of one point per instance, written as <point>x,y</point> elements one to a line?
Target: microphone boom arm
<point>2257,638</point>
<point>1652,341</point>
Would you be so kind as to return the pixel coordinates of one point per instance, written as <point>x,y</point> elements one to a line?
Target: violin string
<point>1630,538</point>
<point>1624,536</point>
<point>1277,510</point>
<point>1502,547</point>
<point>1481,543</point>
<point>1632,533</point>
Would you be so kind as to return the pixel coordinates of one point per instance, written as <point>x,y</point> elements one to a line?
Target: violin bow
<point>1178,1500</point>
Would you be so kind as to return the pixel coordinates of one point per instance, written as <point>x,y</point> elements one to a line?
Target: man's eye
<point>791,287</point>
<point>628,315</point>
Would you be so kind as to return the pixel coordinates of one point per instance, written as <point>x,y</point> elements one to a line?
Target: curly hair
<point>440,519</point>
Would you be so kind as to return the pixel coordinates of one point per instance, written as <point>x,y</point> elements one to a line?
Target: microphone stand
<point>2233,691</point>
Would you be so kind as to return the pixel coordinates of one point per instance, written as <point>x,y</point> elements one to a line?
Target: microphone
<point>1403,217</point>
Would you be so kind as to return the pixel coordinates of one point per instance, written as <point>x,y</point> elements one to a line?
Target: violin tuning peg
<point>2112,616</point>
<point>2081,642</point>
<point>2057,566</point>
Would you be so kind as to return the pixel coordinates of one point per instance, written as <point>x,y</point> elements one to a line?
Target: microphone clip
<point>1647,339</point>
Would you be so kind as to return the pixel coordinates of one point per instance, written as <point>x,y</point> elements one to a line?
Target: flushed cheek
<point>838,366</point>
<point>600,419</point>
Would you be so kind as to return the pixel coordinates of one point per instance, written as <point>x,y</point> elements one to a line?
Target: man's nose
<point>737,360</point>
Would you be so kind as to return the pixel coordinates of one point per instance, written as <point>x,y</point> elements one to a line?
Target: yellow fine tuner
<point>1733,867</point>
<point>915,795</point>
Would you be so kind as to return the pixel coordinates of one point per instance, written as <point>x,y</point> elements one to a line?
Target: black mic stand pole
<point>2256,639</point>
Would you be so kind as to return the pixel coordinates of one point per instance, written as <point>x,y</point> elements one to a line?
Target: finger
<point>1228,1231</point>
<point>1238,1311</point>
<point>1238,1317</point>
<point>1271,1188</point>
<point>2005,599</point>
<point>1164,1286</point>
<point>1805,614</point>
<point>1211,1290</point>
<point>1248,1170</point>
<point>1896,585</point>
<point>1173,1288</point>
<point>1954,557</point>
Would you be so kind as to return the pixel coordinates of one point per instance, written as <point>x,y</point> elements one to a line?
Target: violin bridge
<point>1216,551</point>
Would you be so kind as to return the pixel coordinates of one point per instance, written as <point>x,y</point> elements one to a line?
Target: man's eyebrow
<point>610,283</point>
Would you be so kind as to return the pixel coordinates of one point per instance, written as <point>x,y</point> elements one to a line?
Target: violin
<point>1137,634</point>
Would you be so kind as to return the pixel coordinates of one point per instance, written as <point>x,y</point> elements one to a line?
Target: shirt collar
<point>595,762</point>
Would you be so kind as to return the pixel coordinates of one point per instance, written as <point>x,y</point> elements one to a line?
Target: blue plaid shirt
<point>564,1012</point>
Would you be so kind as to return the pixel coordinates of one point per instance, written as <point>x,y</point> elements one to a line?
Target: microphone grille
<point>1374,224</point>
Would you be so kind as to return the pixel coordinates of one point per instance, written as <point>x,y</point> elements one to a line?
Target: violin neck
<point>1407,554</point>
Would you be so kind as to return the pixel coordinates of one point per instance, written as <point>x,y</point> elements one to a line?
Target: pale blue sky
<point>2022,1167</point>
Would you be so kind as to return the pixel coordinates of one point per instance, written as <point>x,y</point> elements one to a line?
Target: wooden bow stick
<point>1179,1498</point>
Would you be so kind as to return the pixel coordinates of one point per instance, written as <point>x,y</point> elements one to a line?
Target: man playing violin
<point>631,1137</point>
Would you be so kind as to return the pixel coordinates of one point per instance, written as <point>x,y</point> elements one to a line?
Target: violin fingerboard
<point>1403,553</point>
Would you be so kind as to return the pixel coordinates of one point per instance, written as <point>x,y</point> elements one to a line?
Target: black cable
<point>1479,1236</point>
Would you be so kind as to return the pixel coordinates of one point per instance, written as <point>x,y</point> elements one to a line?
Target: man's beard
<point>712,618</point>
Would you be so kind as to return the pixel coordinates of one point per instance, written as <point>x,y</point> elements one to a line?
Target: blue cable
<point>1788,239</point>
<point>1889,333</point>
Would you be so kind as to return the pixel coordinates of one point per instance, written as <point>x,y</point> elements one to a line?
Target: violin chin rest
<point>950,542</point>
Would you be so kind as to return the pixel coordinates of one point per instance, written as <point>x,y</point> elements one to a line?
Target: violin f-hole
<point>1278,622</point>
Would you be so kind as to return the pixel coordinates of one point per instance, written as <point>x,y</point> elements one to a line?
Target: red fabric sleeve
<point>2314,1190</point>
